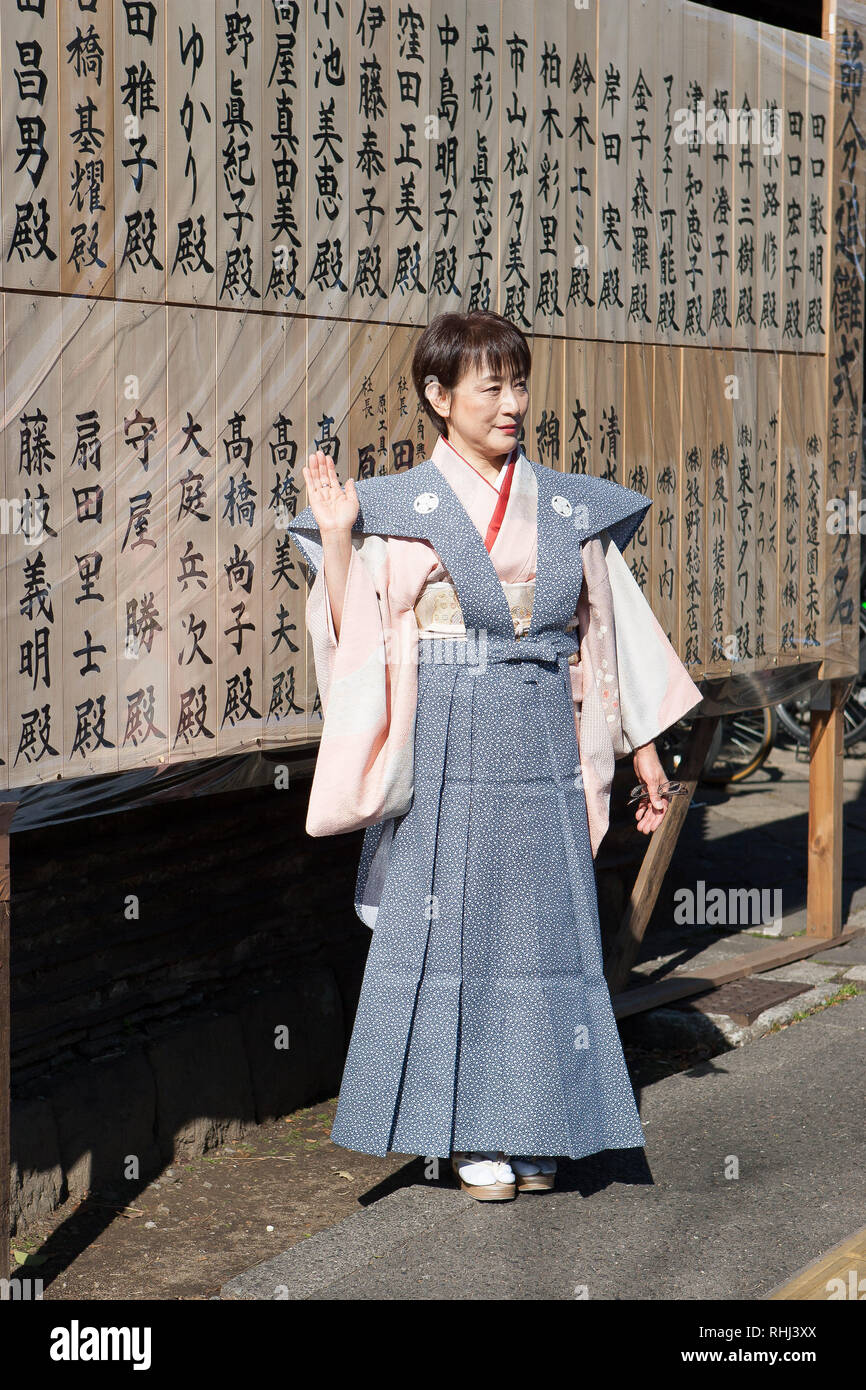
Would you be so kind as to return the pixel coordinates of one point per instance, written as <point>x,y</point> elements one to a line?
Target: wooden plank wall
<point>223,228</point>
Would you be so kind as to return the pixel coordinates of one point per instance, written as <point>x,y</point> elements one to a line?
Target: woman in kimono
<point>483,654</point>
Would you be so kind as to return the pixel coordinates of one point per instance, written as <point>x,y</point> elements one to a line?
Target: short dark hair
<point>453,344</point>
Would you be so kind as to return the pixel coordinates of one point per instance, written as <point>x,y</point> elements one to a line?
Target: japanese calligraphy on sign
<point>224,223</point>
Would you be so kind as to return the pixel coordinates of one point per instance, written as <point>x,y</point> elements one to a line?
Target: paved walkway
<point>754,1161</point>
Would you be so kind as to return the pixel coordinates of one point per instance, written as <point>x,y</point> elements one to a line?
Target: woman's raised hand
<point>334,507</point>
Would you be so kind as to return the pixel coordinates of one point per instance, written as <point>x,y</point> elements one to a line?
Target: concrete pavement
<point>754,1159</point>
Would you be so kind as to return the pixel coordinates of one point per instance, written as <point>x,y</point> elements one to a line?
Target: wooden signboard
<point>223,228</point>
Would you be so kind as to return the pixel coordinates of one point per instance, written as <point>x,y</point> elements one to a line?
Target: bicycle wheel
<point>854,709</point>
<point>795,715</point>
<point>747,738</point>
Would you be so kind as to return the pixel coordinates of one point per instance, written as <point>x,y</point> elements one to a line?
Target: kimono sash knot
<point>545,647</point>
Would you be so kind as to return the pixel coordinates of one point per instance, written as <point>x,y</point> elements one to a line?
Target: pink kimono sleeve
<point>655,689</point>
<point>630,684</point>
<point>368,682</point>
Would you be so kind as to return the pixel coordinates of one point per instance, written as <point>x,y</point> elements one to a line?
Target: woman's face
<point>484,411</point>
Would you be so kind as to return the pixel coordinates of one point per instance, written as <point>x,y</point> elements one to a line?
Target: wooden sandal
<point>478,1167</point>
<point>534,1174</point>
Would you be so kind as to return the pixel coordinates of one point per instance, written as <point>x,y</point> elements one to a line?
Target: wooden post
<point>844,23</point>
<point>7,811</point>
<point>824,880</point>
<point>656,860</point>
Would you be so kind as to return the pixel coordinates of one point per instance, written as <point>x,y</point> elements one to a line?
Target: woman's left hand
<point>651,775</point>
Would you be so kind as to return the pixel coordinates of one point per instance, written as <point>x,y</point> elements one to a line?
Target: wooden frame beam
<point>662,843</point>
<point>7,811</point>
<point>685,983</point>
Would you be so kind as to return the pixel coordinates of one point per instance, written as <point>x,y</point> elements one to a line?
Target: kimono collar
<point>450,459</point>
<point>476,492</point>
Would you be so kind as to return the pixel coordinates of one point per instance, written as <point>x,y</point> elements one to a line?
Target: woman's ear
<point>437,397</point>
<point>432,384</point>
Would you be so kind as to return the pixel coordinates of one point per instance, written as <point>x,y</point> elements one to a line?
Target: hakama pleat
<point>484,1020</point>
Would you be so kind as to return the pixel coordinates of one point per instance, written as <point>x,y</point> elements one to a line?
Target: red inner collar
<point>499,509</point>
<point>502,491</point>
<point>511,459</point>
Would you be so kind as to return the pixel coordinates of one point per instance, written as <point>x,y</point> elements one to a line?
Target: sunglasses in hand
<point>667,790</point>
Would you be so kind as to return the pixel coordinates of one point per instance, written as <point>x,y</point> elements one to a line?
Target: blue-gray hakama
<point>484,1020</point>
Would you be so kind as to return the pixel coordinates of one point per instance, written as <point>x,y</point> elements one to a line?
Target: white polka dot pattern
<point>484,1020</point>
